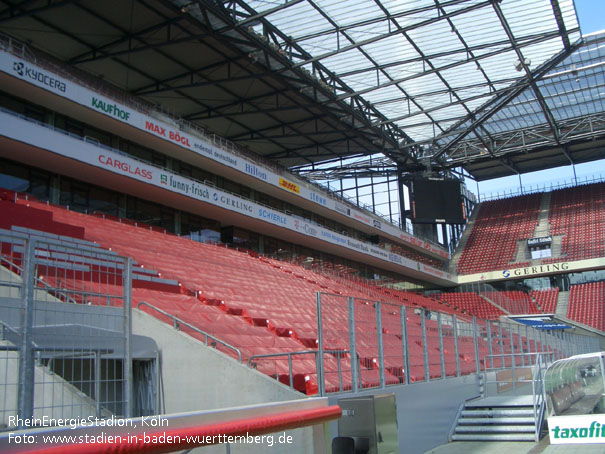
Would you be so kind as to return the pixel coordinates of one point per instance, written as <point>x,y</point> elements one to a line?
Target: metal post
<point>377,308</point>
<point>158,383</point>
<point>455,323</point>
<point>291,375</point>
<point>521,350</point>
<point>528,346</point>
<point>98,383</point>
<point>490,348</point>
<point>513,357</point>
<point>535,336</point>
<point>128,377</point>
<point>502,364</point>
<point>404,340</point>
<point>425,352</point>
<point>352,344</point>
<point>26,349</point>
<point>476,342</point>
<point>442,358</point>
<point>602,369</point>
<point>320,348</point>
<point>339,356</point>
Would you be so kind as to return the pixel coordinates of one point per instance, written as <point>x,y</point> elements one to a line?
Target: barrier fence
<point>371,344</point>
<point>65,345</point>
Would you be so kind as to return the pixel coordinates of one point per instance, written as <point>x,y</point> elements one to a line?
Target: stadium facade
<point>121,222</point>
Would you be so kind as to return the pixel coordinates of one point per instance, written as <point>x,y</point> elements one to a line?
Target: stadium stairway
<point>501,418</point>
<point>543,226</point>
<point>453,266</point>
<point>562,304</point>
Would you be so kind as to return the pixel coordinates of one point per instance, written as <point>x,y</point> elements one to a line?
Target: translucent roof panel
<point>439,61</point>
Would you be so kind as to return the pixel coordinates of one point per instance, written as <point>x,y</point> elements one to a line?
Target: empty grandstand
<point>217,213</point>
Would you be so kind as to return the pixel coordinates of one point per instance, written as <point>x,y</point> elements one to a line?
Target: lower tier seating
<point>587,304</point>
<point>265,307</point>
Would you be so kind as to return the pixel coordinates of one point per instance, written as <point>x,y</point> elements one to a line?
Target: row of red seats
<point>546,299</point>
<point>577,214</point>
<point>492,242</point>
<point>587,304</point>
<point>262,306</point>
<point>473,304</point>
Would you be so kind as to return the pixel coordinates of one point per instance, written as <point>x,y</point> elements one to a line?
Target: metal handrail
<point>45,284</point>
<point>302,352</point>
<point>538,397</point>
<point>537,381</point>
<point>177,322</point>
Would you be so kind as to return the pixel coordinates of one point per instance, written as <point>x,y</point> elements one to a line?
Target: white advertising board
<point>39,136</point>
<point>579,429</point>
<point>171,131</point>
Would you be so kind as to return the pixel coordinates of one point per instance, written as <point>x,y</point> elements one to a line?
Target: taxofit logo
<point>595,430</point>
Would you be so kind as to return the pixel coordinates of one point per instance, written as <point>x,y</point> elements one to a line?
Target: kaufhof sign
<point>171,131</point>
<point>579,429</point>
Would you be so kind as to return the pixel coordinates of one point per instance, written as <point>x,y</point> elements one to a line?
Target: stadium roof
<point>485,84</point>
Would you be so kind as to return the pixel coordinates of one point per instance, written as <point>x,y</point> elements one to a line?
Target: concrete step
<point>493,437</point>
<point>492,421</point>
<point>487,413</point>
<point>501,401</point>
<point>496,429</point>
<point>562,304</point>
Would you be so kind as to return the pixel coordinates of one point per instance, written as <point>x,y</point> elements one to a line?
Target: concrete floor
<point>511,447</point>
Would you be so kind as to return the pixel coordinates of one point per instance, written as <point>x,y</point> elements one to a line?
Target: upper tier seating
<point>578,214</point>
<point>587,304</point>
<point>492,242</point>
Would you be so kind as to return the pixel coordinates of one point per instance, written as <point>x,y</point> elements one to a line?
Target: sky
<point>591,15</point>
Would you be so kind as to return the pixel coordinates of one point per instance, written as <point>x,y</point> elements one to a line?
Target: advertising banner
<point>171,131</point>
<point>576,430</point>
<point>45,138</point>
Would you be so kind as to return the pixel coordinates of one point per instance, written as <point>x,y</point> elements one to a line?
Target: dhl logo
<point>289,186</point>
